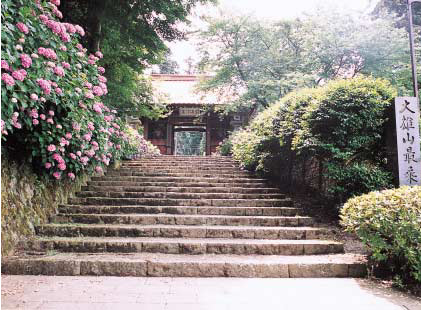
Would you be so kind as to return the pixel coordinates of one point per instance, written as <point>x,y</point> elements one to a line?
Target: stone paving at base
<point>127,293</point>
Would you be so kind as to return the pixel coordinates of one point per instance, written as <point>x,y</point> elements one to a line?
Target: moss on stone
<point>28,200</point>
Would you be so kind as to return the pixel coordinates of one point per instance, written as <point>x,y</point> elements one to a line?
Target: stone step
<point>181,174</point>
<point>172,265</point>
<point>181,231</point>
<point>179,180</point>
<point>176,195</point>
<point>182,202</point>
<point>177,219</point>
<point>180,184</point>
<point>236,190</point>
<point>192,246</point>
<point>241,211</point>
<point>204,166</point>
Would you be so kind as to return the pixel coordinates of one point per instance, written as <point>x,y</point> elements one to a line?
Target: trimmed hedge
<point>339,125</point>
<point>389,223</point>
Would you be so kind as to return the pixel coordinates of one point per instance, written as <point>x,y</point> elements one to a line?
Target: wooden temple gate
<point>187,115</point>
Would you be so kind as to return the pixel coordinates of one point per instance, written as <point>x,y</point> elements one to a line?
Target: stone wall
<point>28,200</point>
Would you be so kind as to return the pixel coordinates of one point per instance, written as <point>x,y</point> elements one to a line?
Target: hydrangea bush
<point>52,92</point>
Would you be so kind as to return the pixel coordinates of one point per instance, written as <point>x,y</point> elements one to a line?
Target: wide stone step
<point>193,246</point>
<point>236,211</point>
<point>175,168</point>
<point>178,179</point>
<point>177,195</point>
<point>236,190</point>
<point>181,174</point>
<point>177,219</point>
<point>173,265</point>
<point>182,202</point>
<point>204,166</point>
<point>180,184</point>
<point>181,231</point>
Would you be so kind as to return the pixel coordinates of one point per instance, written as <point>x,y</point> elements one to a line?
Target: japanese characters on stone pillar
<point>408,140</point>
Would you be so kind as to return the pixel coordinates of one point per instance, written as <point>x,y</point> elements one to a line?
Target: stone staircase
<point>182,216</point>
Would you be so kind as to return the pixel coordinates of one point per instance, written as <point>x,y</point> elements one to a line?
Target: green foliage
<point>339,124</point>
<point>258,63</point>
<point>52,110</point>
<point>131,35</point>
<point>389,223</point>
<point>136,146</point>
<point>225,147</point>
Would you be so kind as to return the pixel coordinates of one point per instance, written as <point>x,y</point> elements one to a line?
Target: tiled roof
<point>180,89</point>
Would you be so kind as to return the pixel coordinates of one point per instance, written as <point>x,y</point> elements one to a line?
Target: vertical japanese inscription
<point>408,140</point>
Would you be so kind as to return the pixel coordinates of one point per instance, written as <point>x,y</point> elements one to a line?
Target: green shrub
<point>225,147</point>
<point>389,223</point>
<point>352,180</point>
<point>340,125</point>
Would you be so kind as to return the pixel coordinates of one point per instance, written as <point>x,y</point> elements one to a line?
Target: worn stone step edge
<point>182,184</point>
<point>186,231</point>
<point>184,245</point>
<point>177,195</point>
<point>180,202</point>
<point>163,219</point>
<point>192,189</point>
<point>167,265</point>
<point>180,179</point>
<point>181,174</point>
<point>237,211</point>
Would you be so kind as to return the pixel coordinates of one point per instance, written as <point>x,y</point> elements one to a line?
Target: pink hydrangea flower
<point>99,54</point>
<point>51,113</point>
<point>63,48</point>
<point>73,156</point>
<point>51,148</point>
<point>23,28</point>
<point>97,108</point>
<point>118,146</point>
<point>88,85</point>
<point>50,121</point>
<point>91,126</point>
<point>21,40</point>
<point>34,97</point>
<point>68,135</point>
<point>66,65</point>
<point>7,79</point>
<point>62,166</point>
<point>59,71</point>
<point>57,175</point>
<point>98,169</point>
<point>33,55</point>
<point>79,153</point>
<point>89,95</point>
<point>97,91</point>
<point>33,113</point>
<point>26,60</point>
<point>71,176</point>
<point>45,86</point>
<point>35,122</point>
<point>5,65</point>
<point>101,70</point>
<point>59,91</point>
<point>47,165</point>
<point>59,126</point>
<point>102,79</point>
<point>19,74</point>
<point>87,137</point>
<point>80,30</point>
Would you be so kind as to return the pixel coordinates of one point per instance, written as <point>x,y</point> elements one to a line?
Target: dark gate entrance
<point>189,140</point>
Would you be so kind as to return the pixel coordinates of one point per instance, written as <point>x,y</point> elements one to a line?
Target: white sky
<point>261,9</point>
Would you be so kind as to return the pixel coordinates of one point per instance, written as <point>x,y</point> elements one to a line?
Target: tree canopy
<point>131,35</point>
<point>256,63</point>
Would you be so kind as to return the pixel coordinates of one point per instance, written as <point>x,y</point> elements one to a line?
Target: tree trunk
<point>96,11</point>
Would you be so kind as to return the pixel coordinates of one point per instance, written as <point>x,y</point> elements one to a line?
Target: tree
<point>257,63</point>
<point>131,35</point>
<point>168,66</point>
